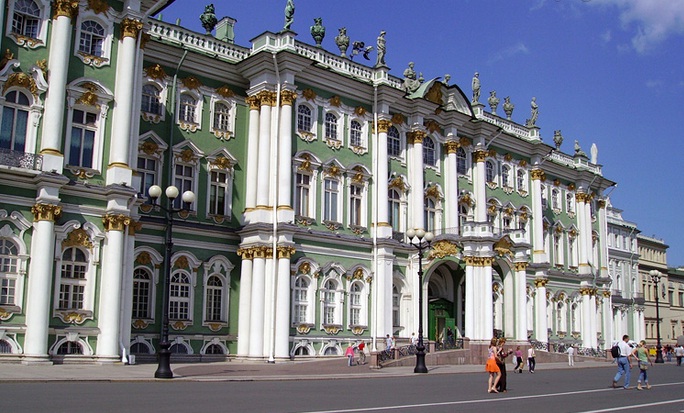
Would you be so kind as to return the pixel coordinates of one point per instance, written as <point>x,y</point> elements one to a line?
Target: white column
<point>383,174</point>
<point>479,186</point>
<point>264,166</point>
<point>269,305</point>
<point>584,223</point>
<point>40,277</point>
<point>252,152</point>
<point>245,307</point>
<point>586,316</point>
<point>469,301</point>
<point>593,326</point>
<point>416,177</point>
<point>541,325</point>
<point>124,94</point>
<point>509,296</point>
<point>256,320</point>
<point>484,310</point>
<point>110,286</point>
<point>55,98</point>
<point>451,185</point>
<point>606,308</point>
<point>127,289</point>
<point>538,254</point>
<point>383,282</point>
<point>282,311</point>
<point>520,301</point>
<point>285,155</point>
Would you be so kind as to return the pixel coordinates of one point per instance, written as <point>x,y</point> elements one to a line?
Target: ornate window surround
<point>220,267</point>
<point>86,14</point>
<point>23,41</point>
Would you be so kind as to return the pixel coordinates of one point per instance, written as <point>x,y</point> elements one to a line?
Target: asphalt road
<point>581,390</point>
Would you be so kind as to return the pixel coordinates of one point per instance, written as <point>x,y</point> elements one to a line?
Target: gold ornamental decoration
<point>359,111</point>
<point>335,101</point>
<point>247,254</point>
<point>398,119</point>
<point>21,80</point>
<point>130,28</point>
<point>89,99</point>
<point>191,82</point>
<point>115,222</point>
<point>432,126</point>
<point>333,170</point>
<point>77,238</point>
<point>285,252</point>
<point>98,6</point>
<point>253,102</point>
<point>384,125</point>
<point>143,258</point>
<point>304,268</point>
<point>537,174</point>
<point>520,266</point>
<point>6,58</point>
<point>433,192</point>
<point>416,137</point>
<point>540,282</point>
<point>443,248</point>
<point>222,163</point>
<point>155,72</point>
<point>64,8</point>
<point>397,183</point>
<point>46,212</point>
<point>452,146</point>
<point>309,94</point>
<point>503,247</point>
<point>149,148</point>
<point>225,92</point>
<point>479,156</point>
<point>287,97</point>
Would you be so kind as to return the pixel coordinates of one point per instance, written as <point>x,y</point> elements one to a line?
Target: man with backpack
<point>623,361</point>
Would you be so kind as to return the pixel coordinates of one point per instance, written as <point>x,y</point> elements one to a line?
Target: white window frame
<point>361,305</point>
<point>338,136</point>
<point>307,303</point>
<point>223,305</point>
<point>434,149</point>
<point>194,124</point>
<point>362,146</point>
<point>43,18</point>
<point>506,171</point>
<point>401,138</point>
<point>152,148</point>
<point>150,292</point>
<point>186,155</point>
<point>19,274</point>
<point>462,157</point>
<point>107,25</point>
<point>151,116</point>
<point>223,134</point>
<point>334,302</point>
<point>307,135</point>
<point>395,205</point>
<point>226,168</point>
<point>521,180</point>
<point>181,299</point>
<point>304,209</point>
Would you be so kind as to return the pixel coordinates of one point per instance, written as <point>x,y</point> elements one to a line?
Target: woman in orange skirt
<point>491,367</point>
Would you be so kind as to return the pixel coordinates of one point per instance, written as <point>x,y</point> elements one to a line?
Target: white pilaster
<point>269,306</point>
<point>520,302</point>
<point>110,289</point>
<point>127,290</point>
<point>245,303</point>
<point>479,186</point>
<point>285,211</point>
<point>416,178</point>
<point>451,185</point>
<point>264,166</point>
<point>470,301</point>
<point>282,311</point>
<point>252,152</point>
<point>539,253</point>
<point>383,168</point>
<point>256,321</point>
<point>541,325</point>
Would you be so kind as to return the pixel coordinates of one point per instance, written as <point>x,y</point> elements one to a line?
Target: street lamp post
<point>416,238</point>
<point>655,277</point>
<point>164,354</point>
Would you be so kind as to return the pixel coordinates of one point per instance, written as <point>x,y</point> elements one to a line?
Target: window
<point>82,143</point>
<point>151,100</point>
<point>490,173</point>
<point>304,122</point>
<point>429,152</point>
<point>430,213</point>
<point>26,19</point>
<point>184,181</point>
<point>302,191</point>
<point>69,348</point>
<point>393,142</point>
<point>506,176</point>
<point>462,215</point>
<point>461,165</point>
<point>142,290</point>
<point>543,197</point>
<point>214,299</point>
<point>396,313</point>
<point>188,107</point>
<point>222,117</point>
<point>218,193</point>
<point>355,304</point>
<point>147,170</point>
<point>555,199</point>
<point>179,296</point>
<point>8,272</point>
<point>330,199</point>
<point>92,38</point>
<point>331,126</point>
<point>73,279</point>
<point>522,180</point>
<point>394,209</point>
<point>329,302</point>
<point>355,205</point>
<point>213,349</point>
<point>5,347</point>
<point>570,202</point>
<point>300,300</point>
<point>355,132</point>
<point>14,125</point>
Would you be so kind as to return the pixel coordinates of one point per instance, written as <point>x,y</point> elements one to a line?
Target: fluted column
<point>124,93</point>
<point>127,287</point>
<point>267,100</point>
<point>55,99</point>
<point>282,311</point>
<point>603,238</point>
<point>256,320</point>
<point>539,253</point>
<point>520,311</point>
<point>269,303</point>
<point>40,280</point>
<point>285,157</point>
<point>540,322</point>
<point>584,223</point>
<point>383,283</point>
<point>451,184</point>
<point>252,152</point>
<point>586,316</point>
<point>470,289</point>
<point>382,178</point>
<point>415,140</point>
<point>245,307</point>
<point>479,185</point>
<point>110,285</point>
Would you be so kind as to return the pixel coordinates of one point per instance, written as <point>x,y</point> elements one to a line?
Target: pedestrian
<point>531,363</point>
<point>518,360</point>
<point>350,354</point>
<point>393,343</point>
<point>624,362</point>
<point>501,362</point>
<point>641,354</point>
<point>492,368</point>
<point>668,352</point>
<point>388,345</point>
<point>450,337</point>
<point>414,339</point>
<point>362,355</point>
<point>679,353</point>
<point>571,355</point>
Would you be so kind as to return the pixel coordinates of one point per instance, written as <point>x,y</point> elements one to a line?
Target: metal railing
<point>22,160</point>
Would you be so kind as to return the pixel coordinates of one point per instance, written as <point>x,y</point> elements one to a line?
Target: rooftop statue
<point>380,61</point>
<point>447,77</point>
<point>557,138</point>
<point>578,150</point>
<point>508,107</point>
<point>360,47</point>
<point>532,121</point>
<point>208,18</point>
<point>476,88</point>
<point>342,41</point>
<point>493,101</point>
<point>411,83</point>
<point>594,153</point>
<point>289,14</point>
<point>318,31</point>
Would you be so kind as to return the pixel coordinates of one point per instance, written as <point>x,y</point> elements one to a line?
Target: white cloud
<point>653,83</point>
<point>653,20</point>
<point>606,36</point>
<point>518,48</point>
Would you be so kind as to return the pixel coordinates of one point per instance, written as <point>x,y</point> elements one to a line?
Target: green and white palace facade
<point>308,169</point>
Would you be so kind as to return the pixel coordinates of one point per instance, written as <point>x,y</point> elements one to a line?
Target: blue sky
<point>609,72</point>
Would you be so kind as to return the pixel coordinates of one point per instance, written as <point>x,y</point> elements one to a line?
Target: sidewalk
<point>327,369</point>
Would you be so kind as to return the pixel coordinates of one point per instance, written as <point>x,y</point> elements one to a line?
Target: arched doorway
<point>446,301</point>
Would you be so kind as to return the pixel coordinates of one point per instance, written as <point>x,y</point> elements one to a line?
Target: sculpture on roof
<point>342,41</point>
<point>508,107</point>
<point>493,101</point>
<point>289,14</point>
<point>557,138</point>
<point>411,83</point>
<point>578,150</point>
<point>380,60</point>
<point>360,47</point>
<point>208,18</point>
<point>532,121</point>
<point>594,153</point>
<point>476,88</point>
<point>447,77</point>
<point>318,31</point>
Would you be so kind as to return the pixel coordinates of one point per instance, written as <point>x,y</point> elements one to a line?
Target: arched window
<point>462,215</point>
<point>394,209</point>
<point>188,106</point>
<point>214,299</point>
<point>355,133</point>
<point>214,349</point>
<point>355,304</point>
<point>461,161</point>
<point>5,347</point>
<point>429,152</point>
<point>26,19</point>
<point>14,126</point>
<point>302,192</point>
<point>142,289</point>
<point>73,279</point>
<point>92,38</point>
<point>179,296</point>
<point>304,118</point>
<point>331,126</point>
<point>506,176</point>
<point>331,195</point>
<point>329,302</point>
<point>300,300</point>
<point>543,197</point>
<point>490,173</point>
<point>570,202</point>
<point>82,142</point>
<point>396,307</point>
<point>393,142</point>
<point>221,117</point>
<point>522,180</point>
<point>69,347</point>
<point>355,205</point>
<point>151,100</point>
<point>8,272</point>
<point>430,213</point>
<point>219,188</point>
<point>555,199</point>
<point>139,348</point>
<point>178,348</point>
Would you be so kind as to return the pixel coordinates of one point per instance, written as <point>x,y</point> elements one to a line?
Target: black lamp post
<point>416,238</point>
<point>655,277</point>
<point>164,354</point>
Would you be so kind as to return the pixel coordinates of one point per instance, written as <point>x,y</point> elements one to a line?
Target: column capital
<point>130,28</point>
<point>254,102</point>
<point>65,8</point>
<point>285,252</point>
<point>384,125</point>
<point>479,156</point>
<point>520,266</point>
<point>540,282</point>
<point>537,175</point>
<point>416,136</point>
<point>582,197</point>
<point>46,212</point>
<point>115,222</point>
<point>267,98</point>
<point>287,97</point>
<point>452,146</point>
<point>247,254</point>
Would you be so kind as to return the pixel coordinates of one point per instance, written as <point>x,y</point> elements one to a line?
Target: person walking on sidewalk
<point>492,368</point>
<point>679,354</point>
<point>641,354</point>
<point>571,355</point>
<point>350,355</point>
<point>518,360</point>
<point>531,363</point>
<point>624,363</point>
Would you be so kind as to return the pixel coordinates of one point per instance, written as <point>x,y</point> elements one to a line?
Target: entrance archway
<point>446,301</point>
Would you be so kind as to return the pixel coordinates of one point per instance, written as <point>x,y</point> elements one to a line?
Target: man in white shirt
<point>623,362</point>
<point>531,362</point>
<point>679,353</point>
<point>571,355</point>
